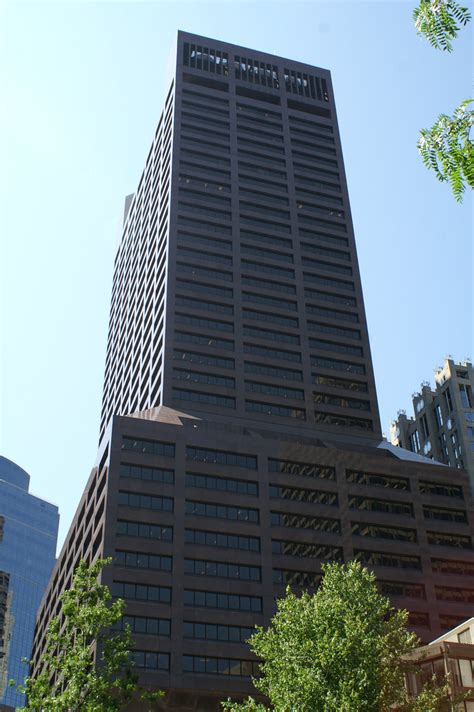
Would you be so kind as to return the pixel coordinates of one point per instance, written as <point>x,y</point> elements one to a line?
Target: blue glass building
<point>28,536</point>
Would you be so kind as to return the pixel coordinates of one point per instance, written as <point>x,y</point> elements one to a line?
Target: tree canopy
<point>338,650</point>
<point>69,678</point>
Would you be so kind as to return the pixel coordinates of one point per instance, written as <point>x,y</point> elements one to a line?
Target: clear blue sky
<point>82,89</point>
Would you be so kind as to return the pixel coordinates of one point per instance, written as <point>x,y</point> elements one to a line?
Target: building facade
<point>240,441</point>
<point>443,424</point>
<point>451,654</point>
<point>28,537</point>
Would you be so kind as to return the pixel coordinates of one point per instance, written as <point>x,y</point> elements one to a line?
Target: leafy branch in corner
<point>446,149</point>
<point>440,21</point>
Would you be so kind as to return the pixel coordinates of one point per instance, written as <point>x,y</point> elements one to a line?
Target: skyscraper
<point>28,536</point>
<point>240,442</point>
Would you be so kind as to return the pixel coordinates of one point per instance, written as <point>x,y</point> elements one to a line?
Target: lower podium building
<point>208,523</point>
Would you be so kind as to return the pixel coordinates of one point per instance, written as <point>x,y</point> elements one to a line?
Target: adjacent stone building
<point>443,424</point>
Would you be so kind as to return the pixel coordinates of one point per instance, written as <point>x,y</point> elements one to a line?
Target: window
<point>303,579</point>
<point>272,371</point>
<point>153,474</point>
<point>337,365</point>
<point>304,495</point>
<point>415,441</point>
<point>270,318</point>
<point>210,60</point>
<point>343,421</point>
<point>380,505</point>
<point>441,489</point>
<point>209,379</point>
<point>226,601</point>
<point>207,289</point>
<point>145,501</point>
<point>448,621</point>
<point>447,515</point>
<point>457,595</point>
<point>139,560</point>
<point>281,391</point>
<point>302,469</point>
<point>274,409</point>
<point>448,401</point>
<point>330,282</point>
<point>466,395</point>
<point>143,625</point>
<point>221,540</point>
<point>200,397</point>
<point>381,558</point>
<point>198,567</point>
<point>268,284</point>
<point>336,330</point>
<point>268,301</point>
<point>424,427</point>
<point>205,323</point>
<point>202,340</point>
<point>418,619</point>
<point>332,313</point>
<point>220,666</point>
<point>457,541</point>
<point>220,511</point>
<point>377,531</point>
<point>333,346</point>
<point>203,359</point>
<point>373,479</point>
<point>222,484</point>
<point>152,447</point>
<point>141,592</point>
<point>341,401</point>
<point>313,551</point>
<point>150,661</point>
<point>439,416</point>
<point>450,566</point>
<point>403,588</point>
<point>272,353</point>
<point>213,631</point>
<point>301,521</point>
<point>344,383</point>
<point>144,530</point>
<point>221,457</point>
<point>278,336</point>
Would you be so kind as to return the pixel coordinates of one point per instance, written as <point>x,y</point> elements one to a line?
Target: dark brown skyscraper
<point>240,435</point>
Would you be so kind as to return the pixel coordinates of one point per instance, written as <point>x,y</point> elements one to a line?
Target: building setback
<point>28,537</point>
<point>443,424</point>
<point>240,441</point>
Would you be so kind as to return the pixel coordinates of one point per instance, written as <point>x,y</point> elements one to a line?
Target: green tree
<point>446,148</point>
<point>336,651</point>
<point>81,684</point>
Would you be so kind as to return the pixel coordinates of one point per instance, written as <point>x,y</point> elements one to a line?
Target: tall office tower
<point>443,424</point>
<point>240,438</point>
<point>28,536</point>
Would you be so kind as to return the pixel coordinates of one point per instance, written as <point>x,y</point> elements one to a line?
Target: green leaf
<point>439,21</point>
<point>446,149</point>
